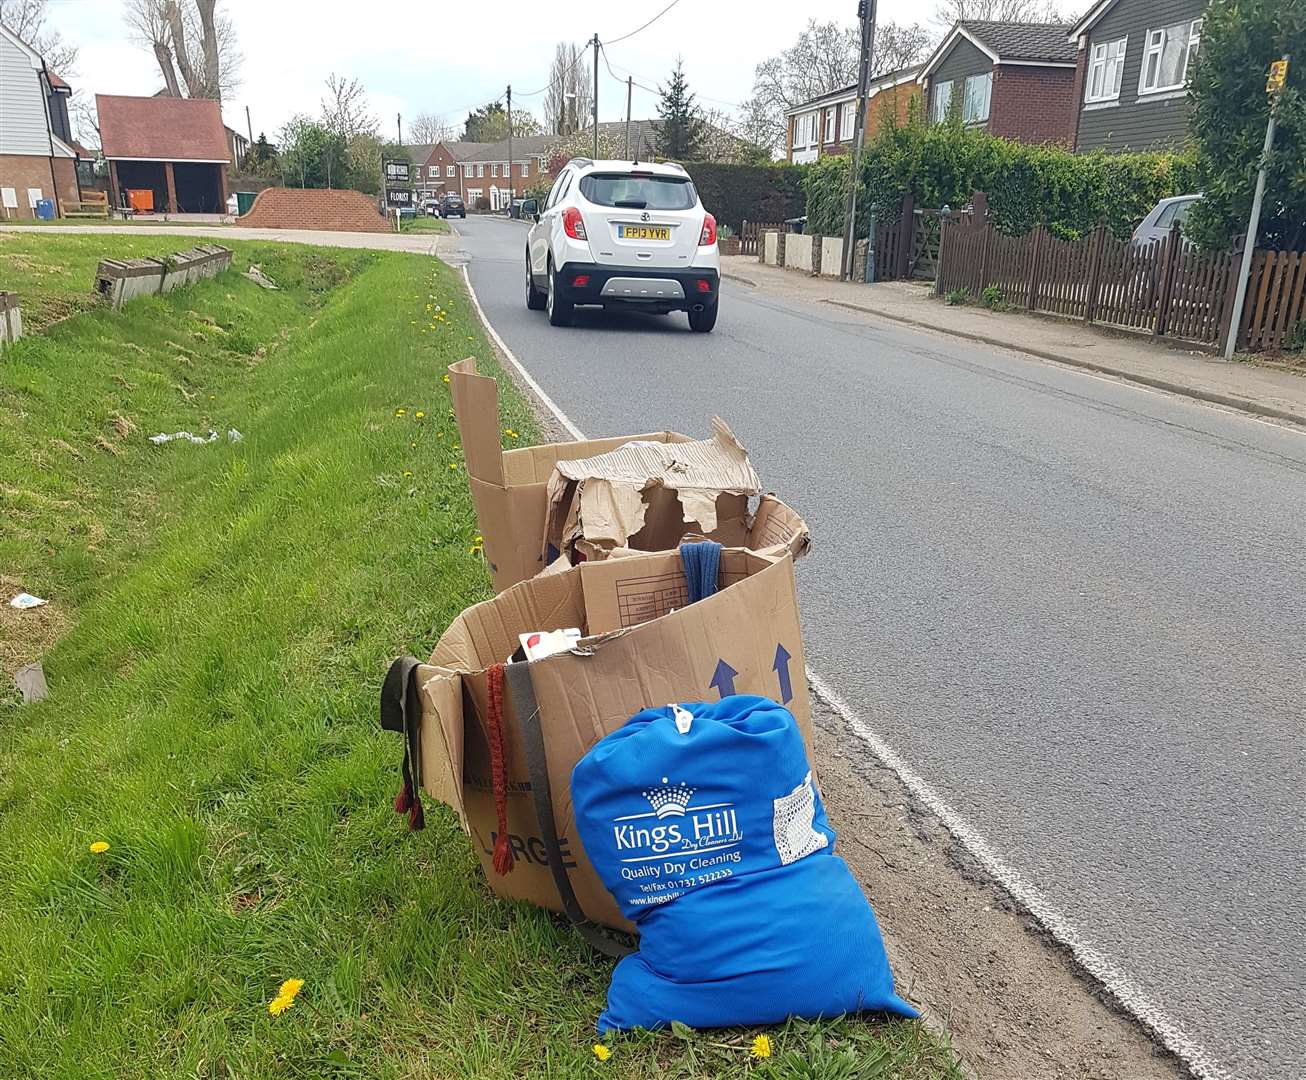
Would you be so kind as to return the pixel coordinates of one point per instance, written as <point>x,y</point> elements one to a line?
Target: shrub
<point>953,297</point>
<point>993,298</point>
<point>734,193</point>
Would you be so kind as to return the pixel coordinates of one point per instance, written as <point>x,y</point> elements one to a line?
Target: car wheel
<point>701,322</point>
<point>560,311</point>
<point>535,300</point>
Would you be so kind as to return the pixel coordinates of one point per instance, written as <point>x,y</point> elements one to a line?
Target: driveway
<point>1066,609</point>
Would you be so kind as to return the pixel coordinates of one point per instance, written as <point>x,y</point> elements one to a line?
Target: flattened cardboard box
<point>645,647</point>
<point>510,491</point>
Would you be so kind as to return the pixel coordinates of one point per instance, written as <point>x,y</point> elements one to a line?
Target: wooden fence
<point>1276,302</point>
<point>750,235</point>
<point>1166,288</point>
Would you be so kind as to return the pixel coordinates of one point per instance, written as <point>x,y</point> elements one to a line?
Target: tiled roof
<point>462,151</point>
<point>877,83</point>
<point>522,146</point>
<point>161,128</point>
<point>1045,42</point>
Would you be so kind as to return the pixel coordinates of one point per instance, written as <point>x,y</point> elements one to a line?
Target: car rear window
<point>639,192</point>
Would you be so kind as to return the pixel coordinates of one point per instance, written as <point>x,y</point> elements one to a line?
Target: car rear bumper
<point>671,288</point>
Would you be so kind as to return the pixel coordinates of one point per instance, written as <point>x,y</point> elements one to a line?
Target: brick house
<point>1016,80</point>
<point>486,174</point>
<point>436,171</point>
<point>38,156</point>
<point>1131,82</point>
<point>174,147</point>
<point>824,125</point>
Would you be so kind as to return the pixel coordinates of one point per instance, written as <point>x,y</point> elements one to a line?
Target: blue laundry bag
<point>703,822</point>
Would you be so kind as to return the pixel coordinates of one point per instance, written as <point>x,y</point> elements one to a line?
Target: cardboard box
<point>510,491</point>
<point>509,486</point>
<point>648,495</point>
<point>644,648</point>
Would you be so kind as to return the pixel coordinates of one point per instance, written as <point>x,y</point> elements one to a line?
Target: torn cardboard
<point>644,646</point>
<point>647,495</point>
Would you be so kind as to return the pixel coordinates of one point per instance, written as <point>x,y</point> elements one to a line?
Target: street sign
<point>398,197</point>
<point>397,172</point>
<point>1278,76</point>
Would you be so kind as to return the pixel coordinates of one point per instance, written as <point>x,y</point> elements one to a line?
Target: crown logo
<point>669,800</point>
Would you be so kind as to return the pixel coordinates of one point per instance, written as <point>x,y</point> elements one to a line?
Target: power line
<point>654,90</point>
<point>646,25</point>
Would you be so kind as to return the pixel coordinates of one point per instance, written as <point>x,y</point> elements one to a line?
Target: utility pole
<point>1274,87</point>
<point>596,97</point>
<point>511,192</point>
<point>630,86</point>
<point>399,125</point>
<point>866,13</point>
<point>249,126</point>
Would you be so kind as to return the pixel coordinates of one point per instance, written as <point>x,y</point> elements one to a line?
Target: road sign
<point>398,197</point>
<point>397,172</point>
<point>1278,76</point>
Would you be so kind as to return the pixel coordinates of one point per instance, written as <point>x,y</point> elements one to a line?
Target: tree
<point>822,59</point>
<point>173,30</point>
<point>581,144</point>
<point>724,141</point>
<point>430,128</point>
<point>344,108</point>
<point>680,133</point>
<point>567,102</point>
<point>490,124</point>
<point>261,159</point>
<point>26,18</point>
<point>312,155</point>
<point>1227,121</point>
<point>1035,11</point>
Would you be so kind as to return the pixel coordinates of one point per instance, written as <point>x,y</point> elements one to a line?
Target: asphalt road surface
<point>1072,607</point>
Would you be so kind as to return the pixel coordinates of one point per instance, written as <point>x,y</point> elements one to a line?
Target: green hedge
<point>756,192</point>
<point>945,164</point>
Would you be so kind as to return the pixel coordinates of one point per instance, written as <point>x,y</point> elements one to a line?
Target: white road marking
<point>1166,1029</point>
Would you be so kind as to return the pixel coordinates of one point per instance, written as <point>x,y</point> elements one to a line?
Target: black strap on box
<point>528,719</point>
<point>401,711</point>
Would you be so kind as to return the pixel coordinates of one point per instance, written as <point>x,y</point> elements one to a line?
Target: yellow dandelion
<point>101,846</point>
<point>419,414</point>
<point>401,412</point>
<point>761,1047</point>
<point>407,473</point>
<point>453,468</point>
<point>601,1052</point>
<point>413,445</point>
<point>285,996</point>
<point>446,378</point>
<point>478,539</point>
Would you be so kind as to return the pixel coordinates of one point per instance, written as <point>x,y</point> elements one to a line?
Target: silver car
<point>1162,218</point>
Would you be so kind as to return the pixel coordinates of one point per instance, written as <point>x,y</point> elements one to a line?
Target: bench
<point>91,204</point>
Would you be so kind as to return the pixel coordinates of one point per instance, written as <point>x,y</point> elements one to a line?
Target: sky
<point>446,58</point>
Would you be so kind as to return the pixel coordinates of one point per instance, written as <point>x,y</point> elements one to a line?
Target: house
<point>38,156</point>
<point>485,174</point>
<point>1012,79</point>
<point>237,147</point>
<point>824,125</point>
<point>176,148</point>
<point>1134,59</point>
<point>436,172</point>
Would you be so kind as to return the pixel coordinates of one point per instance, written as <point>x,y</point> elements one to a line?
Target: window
<point>846,121</point>
<point>448,170</point>
<point>1105,67</point>
<point>805,129</point>
<point>494,169</point>
<point>831,119</point>
<point>1167,57</point>
<point>639,192</point>
<point>551,198</point>
<point>480,170</point>
<point>941,100</point>
<point>473,193</point>
<point>975,100</point>
<point>524,166</point>
<point>432,171</point>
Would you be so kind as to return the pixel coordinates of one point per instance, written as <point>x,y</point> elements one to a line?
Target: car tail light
<point>581,280</point>
<point>704,285</point>
<point>708,235</point>
<point>573,224</point>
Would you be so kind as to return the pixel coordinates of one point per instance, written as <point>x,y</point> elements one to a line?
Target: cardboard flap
<point>776,528</point>
<point>442,736</point>
<point>476,407</point>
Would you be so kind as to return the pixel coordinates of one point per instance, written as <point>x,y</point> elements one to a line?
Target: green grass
<point>221,619</point>
<point>425,224</point>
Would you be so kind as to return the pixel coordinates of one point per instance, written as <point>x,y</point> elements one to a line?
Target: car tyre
<point>560,311</point>
<point>701,322</point>
<point>535,299</point>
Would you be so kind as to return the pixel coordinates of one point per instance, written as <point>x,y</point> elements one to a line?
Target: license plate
<point>643,232</point>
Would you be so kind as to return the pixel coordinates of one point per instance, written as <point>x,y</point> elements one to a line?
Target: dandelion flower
<point>761,1047</point>
<point>602,1052</point>
<point>401,412</point>
<point>407,473</point>
<point>101,846</point>
<point>453,467</point>
<point>413,445</point>
<point>419,414</point>
<point>285,996</point>
<point>478,540</point>
<point>446,378</point>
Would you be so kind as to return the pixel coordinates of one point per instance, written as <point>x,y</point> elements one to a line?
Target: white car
<point>622,234</point>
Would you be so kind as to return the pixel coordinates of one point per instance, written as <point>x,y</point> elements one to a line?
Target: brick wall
<point>1033,104</point>
<point>23,171</point>
<point>312,208</point>
<point>893,102</point>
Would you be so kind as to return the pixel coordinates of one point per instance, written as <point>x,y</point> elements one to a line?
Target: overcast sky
<point>446,57</point>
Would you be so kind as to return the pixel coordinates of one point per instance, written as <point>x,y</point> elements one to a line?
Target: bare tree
<point>26,18</point>
<point>344,108</point>
<point>823,59</point>
<point>430,128</point>
<point>86,123</point>
<point>1030,11</point>
<point>567,100</point>
<point>188,39</point>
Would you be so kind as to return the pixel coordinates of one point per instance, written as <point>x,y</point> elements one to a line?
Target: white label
<point>684,719</point>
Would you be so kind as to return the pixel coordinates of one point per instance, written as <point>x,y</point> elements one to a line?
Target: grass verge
<point>425,224</point>
<point>228,613</point>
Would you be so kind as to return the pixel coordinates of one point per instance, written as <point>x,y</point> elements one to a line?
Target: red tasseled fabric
<point>503,856</point>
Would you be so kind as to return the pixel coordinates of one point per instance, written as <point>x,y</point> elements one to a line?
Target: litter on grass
<point>26,600</point>
<point>185,436</point>
<point>30,679</point>
<point>256,275</point>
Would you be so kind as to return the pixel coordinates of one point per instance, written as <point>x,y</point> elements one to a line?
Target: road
<point>1068,608</point>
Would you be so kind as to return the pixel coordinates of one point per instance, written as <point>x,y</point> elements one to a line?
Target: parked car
<point>431,207</point>
<point>621,234</point>
<point>452,206</point>
<point>1162,218</point>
